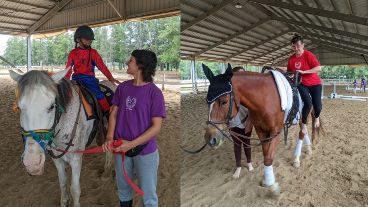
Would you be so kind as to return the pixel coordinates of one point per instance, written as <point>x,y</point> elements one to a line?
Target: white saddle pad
<point>286,95</point>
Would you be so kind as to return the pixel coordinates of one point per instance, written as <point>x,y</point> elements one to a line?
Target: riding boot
<point>126,203</point>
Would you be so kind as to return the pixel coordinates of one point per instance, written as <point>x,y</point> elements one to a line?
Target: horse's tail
<point>108,162</point>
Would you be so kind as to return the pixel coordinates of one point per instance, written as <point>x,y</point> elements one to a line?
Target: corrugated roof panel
<point>326,5</point>
<point>243,16</point>
<point>342,6</point>
<point>273,45</point>
<point>191,10</point>
<point>360,7</point>
<point>195,39</point>
<point>208,30</point>
<point>222,25</point>
<point>227,47</point>
<point>93,12</point>
<point>222,54</point>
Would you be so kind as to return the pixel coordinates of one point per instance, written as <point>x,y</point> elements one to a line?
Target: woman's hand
<point>114,81</point>
<point>301,71</point>
<point>125,146</point>
<point>107,146</point>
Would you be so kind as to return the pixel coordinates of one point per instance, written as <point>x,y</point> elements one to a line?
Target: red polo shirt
<point>306,61</point>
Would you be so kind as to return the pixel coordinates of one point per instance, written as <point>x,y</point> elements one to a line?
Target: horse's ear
<point>207,71</point>
<point>229,71</point>
<point>59,75</point>
<point>14,75</point>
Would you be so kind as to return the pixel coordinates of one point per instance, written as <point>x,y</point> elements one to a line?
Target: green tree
<point>16,50</point>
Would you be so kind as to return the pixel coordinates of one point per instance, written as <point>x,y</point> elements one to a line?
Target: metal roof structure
<point>258,32</point>
<point>24,17</point>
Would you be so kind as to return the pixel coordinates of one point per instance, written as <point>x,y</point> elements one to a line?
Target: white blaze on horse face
<point>36,111</point>
<point>33,157</point>
<point>209,114</point>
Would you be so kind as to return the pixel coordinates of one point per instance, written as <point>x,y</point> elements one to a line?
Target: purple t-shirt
<point>137,105</point>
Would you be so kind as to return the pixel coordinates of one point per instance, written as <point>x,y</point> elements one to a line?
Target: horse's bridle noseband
<point>41,136</point>
<point>228,116</point>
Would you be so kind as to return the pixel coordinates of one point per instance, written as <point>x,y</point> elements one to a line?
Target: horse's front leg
<point>60,166</point>
<point>269,150</point>
<point>76,165</point>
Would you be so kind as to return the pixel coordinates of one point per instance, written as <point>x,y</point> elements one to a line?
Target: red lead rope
<point>116,143</point>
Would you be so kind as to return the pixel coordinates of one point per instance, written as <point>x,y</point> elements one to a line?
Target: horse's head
<point>36,96</point>
<point>222,107</point>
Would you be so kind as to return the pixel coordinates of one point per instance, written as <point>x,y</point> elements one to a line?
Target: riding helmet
<point>84,32</point>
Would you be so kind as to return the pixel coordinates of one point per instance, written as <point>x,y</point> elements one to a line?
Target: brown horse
<point>257,92</point>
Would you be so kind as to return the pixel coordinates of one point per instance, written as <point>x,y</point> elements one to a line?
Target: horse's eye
<point>51,108</point>
<point>223,103</point>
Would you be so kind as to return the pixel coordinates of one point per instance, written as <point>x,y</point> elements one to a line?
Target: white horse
<point>51,116</point>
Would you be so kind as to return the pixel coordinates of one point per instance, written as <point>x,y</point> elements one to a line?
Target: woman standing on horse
<point>310,89</point>
<point>136,117</point>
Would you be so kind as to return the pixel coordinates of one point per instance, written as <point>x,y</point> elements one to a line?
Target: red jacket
<point>306,61</point>
<point>81,64</point>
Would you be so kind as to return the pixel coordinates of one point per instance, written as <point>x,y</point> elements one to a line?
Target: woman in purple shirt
<point>136,117</point>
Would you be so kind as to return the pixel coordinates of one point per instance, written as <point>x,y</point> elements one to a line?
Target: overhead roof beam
<point>268,52</point>
<point>48,15</point>
<point>10,29</point>
<point>339,50</point>
<point>28,11</point>
<point>206,14</point>
<point>313,26</point>
<point>5,60</point>
<point>338,47</point>
<point>246,29</point>
<point>314,11</point>
<point>18,17</point>
<point>258,44</point>
<point>14,23</point>
<point>115,9</point>
<point>30,4</point>
<point>286,56</point>
<point>308,34</point>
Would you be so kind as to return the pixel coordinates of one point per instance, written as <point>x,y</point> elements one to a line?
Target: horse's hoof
<point>296,164</point>
<point>274,189</point>
<point>309,150</point>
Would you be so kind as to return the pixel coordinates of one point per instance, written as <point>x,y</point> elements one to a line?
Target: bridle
<point>45,137</point>
<point>228,133</point>
<point>227,121</point>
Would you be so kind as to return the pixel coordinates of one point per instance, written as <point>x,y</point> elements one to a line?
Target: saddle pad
<point>285,92</point>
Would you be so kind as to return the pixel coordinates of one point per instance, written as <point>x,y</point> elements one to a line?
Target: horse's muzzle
<point>213,137</point>
<point>34,165</point>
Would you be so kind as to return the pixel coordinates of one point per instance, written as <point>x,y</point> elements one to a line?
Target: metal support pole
<point>29,53</point>
<point>193,76</point>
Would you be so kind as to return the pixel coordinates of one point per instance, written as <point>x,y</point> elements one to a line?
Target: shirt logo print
<point>130,102</point>
<point>298,65</point>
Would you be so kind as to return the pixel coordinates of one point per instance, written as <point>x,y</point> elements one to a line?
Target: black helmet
<point>84,32</point>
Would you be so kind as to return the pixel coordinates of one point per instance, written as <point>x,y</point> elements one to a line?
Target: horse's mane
<point>64,92</point>
<point>33,78</point>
